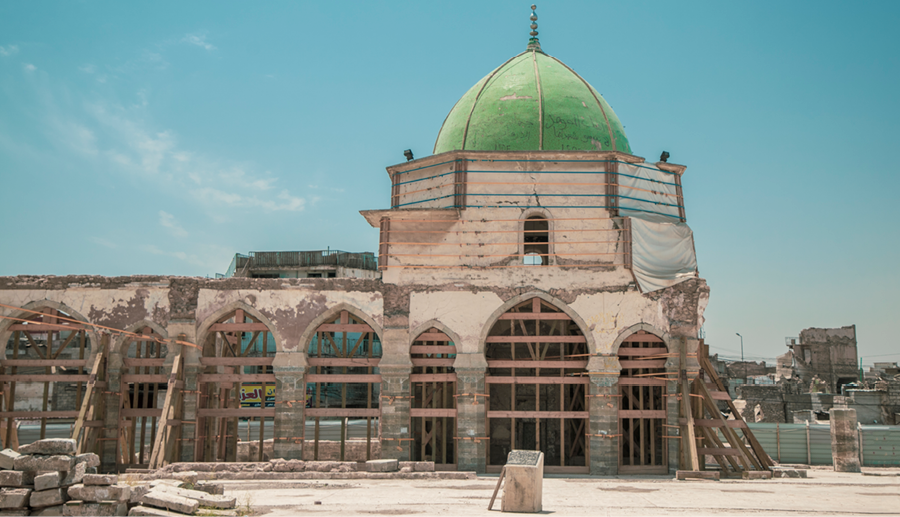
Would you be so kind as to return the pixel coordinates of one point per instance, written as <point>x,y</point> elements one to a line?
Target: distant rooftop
<point>242,265</point>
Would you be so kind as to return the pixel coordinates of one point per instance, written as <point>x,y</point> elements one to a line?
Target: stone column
<point>844,440</point>
<point>190,397</point>
<point>111,414</point>
<point>290,404</point>
<point>471,407</point>
<point>603,405</point>
<point>395,403</point>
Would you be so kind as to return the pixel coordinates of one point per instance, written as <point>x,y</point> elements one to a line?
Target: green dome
<point>532,102</point>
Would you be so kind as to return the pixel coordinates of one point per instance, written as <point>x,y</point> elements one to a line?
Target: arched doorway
<point>45,376</point>
<point>237,398</point>
<point>642,406</point>
<point>343,390</point>
<point>536,357</point>
<point>143,388</point>
<point>433,408</point>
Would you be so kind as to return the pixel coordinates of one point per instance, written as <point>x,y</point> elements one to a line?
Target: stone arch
<point>134,328</point>
<point>647,327</point>
<point>329,315</point>
<point>415,333</point>
<point>203,330</point>
<point>37,305</point>
<point>556,302</point>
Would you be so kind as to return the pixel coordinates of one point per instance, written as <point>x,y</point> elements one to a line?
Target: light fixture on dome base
<point>664,157</point>
<point>408,154</point>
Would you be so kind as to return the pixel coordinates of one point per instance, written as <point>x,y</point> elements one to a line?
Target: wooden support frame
<point>139,384</point>
<point>642,405</point>
<point>536,357</point>
<point>433,421</point>
<point>92,403</point>
<point>168,432</point>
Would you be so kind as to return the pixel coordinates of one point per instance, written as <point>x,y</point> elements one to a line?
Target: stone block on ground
<point>101,509</point>
<point>52,497</point>
<point>100,479</point>
<point>74,476</point>
<point>205,499</point>
<point>137,493</point>
<point>683,475</point>
<point>14,497</point>
<point>382,466</point>
<point>95,493</point>
<point>89,458</point>
<point>170,482</point>
<point>15,511</point>
<point>37,463</point>
<point>152,512</point>
<point>47,481</point>
<point>756,474</point>
<point>424,466</point>
<point>170,501</point>
<point>15,478</point>
<point>789,473</point>
<point>210,488</point>
<point>523,489</point>
<point>189,477</point>
<point>7,457</point>
<point>50,447</point>
<point>49,511</point>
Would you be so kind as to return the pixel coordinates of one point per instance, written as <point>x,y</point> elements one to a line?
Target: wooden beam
<point>489,379</point>
<point>87,401</point>
<point>351,362</point>
<point>536,339</point>
<point>236,361</point>
<point>343,412</point>
<point>538,414</point>
<point>237,412</point>
<point>432,349</point>
<point>236,377</point>
<point>493,363</point>
<point>342,378</point>
<point>157,454</point>
<point>68,363</point>
<point>428,412</point>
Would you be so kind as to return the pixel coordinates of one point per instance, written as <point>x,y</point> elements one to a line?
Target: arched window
<point>642,407</point>
<point>433,411</point>
<point>536,241</point>
<point>143,390</point>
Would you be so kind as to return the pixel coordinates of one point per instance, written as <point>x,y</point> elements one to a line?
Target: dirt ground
<point>824,492</point>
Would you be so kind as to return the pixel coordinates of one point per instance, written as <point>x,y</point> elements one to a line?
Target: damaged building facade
<point>536,282</point>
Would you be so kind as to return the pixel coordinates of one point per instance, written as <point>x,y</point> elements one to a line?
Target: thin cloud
<point>198,40</point>
<point>103,242</point>
<point>8,50</point>
<point>180,255</point>
<point>29,67</point>
<point>88,69</point>
<point>168,221</point>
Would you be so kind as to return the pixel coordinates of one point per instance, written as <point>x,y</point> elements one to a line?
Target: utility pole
<point>742,356</point>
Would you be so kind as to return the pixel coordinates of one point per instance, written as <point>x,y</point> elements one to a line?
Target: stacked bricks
<point>34,480</point>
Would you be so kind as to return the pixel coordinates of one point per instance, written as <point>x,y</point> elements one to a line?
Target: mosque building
<point>535,285</point>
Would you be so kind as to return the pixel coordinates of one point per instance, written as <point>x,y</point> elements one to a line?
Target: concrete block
<point>74,476</point>
<point>52,497</point>
<point>14,497</point>
<point>210,488</point>
<point>15,511</point>
<point>205,499</point>
<point>118,493</point>
<point>424,466</point>
<point>7,457</point>
<point>190,477</point>
<point>48,511</point>
<point>91,470</point>
<point>137,493</point>
<point>47,481</point>
<point>153,512</point>
<point>709,475</point>
<point>50,447</point>
<point>101,509</point>
<point>170,501</point>
<point>99,479</point>
<point>756,474</point>
<point>15,478</point>
<point>170,482</point>
<point>789,473</point>
<point>91,459</point>
<point>35,463</point>
<point>523,488</point>
<point>382,466</point>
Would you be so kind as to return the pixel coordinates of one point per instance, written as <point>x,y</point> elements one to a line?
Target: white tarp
<point>662,254</point>
<point>648,193</point>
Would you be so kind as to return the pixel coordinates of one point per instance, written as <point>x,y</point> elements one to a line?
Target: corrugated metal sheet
<point>881,445</point>
<point>820,444</point>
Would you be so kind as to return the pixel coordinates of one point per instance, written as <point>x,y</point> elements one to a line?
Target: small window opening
<point>536,239</point>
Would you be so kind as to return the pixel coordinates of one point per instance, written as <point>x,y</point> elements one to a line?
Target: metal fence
<point>811,443</point>
<point>291,259</point>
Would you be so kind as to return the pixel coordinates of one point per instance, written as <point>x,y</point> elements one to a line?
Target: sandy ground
<point>877,492</point>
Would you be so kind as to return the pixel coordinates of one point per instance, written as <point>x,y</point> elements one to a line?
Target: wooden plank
<point>642,338</point>
<point>427,361</point>
<point>719,395</point>
<point>536,339</point>
<point>497,488</point>
<point>489,379</point>
<point>538,414</point>
<point>68,363</point>
<point>633,365</point>
<point>344,327</point>
<point>635,352</point>
<point>235,412</point>
<point>717,451</point>
<point>432,377</point>
<point>341,378</point>
<point>351,362</point>
<point>131,361</point>
<point>432,349</point>
<point>734,424</point>
<point>45,378</point>
<point>238,327</point>
<point>236,361</point>
<point>688,438</point>
<point>236,377</point>
<point>642,413</point>
<point>641,381</point>
<point>434,336</point>
<point>729,433</point>
<point>581,364</point>
<point>86,402</point>
<point>342,412</point>
<point>146,377</point>
<point>535,316</point>
<point>157,454</point>
<point>428,412</point>
<point>42,327</point>
<point>39,414</point>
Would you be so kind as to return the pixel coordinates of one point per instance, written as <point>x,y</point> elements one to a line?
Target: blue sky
<point>163,137</point>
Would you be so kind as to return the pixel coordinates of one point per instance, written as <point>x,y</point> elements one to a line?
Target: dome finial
<point>533,43</point>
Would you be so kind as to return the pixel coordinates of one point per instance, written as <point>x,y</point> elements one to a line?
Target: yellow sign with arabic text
<point>252,395</point>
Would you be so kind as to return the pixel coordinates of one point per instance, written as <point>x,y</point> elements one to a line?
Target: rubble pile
<point>47,477</point>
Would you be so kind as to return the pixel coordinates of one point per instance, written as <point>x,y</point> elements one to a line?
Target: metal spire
<point>533,43</point>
